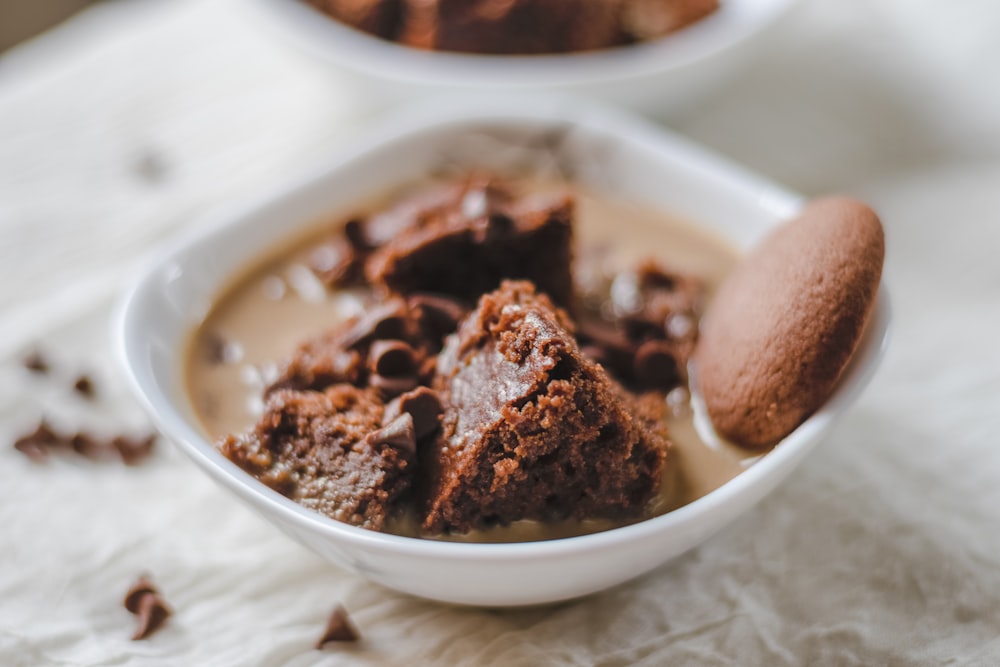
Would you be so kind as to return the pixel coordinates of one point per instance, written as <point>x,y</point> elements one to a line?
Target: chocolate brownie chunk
<point>532,429</point>
<point>785,324</point>
<point>392,346</point>
<point>330,452</point>
<point>466,247</point>
<point>647,330</point>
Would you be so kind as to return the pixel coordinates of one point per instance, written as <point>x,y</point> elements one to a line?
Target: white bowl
<point>656,76</point>
<point>612,153</point>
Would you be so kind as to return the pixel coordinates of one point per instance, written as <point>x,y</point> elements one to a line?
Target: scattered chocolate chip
<point>423,404</point>
<point>36,444</point>
<point>143,600</point>
<point>392,358</point>
<point>339,628</point>
<point>43,440</point>
<point>438,315</point>
<point>137,590</point>
<point>86,446</point>
<point>655,365</point>
<point>134,450</point>
<point>36,363</point>
<point>387,320</point>
<point>84,386</point>
<point>394,386</point>
<point>398,433</point>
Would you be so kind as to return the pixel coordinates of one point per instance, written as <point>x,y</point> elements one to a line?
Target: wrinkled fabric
<point>130,124</point>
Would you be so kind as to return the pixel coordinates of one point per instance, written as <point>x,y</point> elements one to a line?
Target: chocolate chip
<point>84,386</point>
<point>337,263</point>
<point>36,363</point>
<point>387,320</point>
<point>398,433</point>
<point>438,315</point>
<point>143,600</point>
<point>153,613</point>
<point>38,444</point>
<point>339,628</point>
<point>35,445</point>
<point>134,450</point>
<point>354,232</point>
<point>141,587</point>
<point>88,447</point>
<point>392,358</point>
<point>423,404</point>
<point>656,366</point>
<point>393,386</point>
<point>607,346</point>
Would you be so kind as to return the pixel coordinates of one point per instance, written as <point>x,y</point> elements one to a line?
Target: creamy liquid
<point>278,303</point>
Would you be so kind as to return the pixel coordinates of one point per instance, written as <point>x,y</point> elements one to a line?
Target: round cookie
<point>785,323</point>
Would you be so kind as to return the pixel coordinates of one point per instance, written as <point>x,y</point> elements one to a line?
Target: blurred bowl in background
<point>655,77</point>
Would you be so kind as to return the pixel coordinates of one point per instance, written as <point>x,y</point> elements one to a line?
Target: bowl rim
<point>163,407</point>
<point>733,23</point>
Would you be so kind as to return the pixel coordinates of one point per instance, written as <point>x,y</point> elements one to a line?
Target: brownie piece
<point>531,428</point>
<point>465,247</point>
<point>511,26</point>
<point>391,347</point>
<point>378,17</point>
<point>330,452</point>
<point>647,327</point>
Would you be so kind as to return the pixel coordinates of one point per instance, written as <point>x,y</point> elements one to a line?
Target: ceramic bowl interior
<point>603,150</point>
<point>659,75</point>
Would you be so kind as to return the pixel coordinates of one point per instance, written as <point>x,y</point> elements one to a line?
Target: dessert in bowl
<point>647,71</point>
<point>206,383</point>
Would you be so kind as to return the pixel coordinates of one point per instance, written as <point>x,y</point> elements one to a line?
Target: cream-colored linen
<point>126,126</point>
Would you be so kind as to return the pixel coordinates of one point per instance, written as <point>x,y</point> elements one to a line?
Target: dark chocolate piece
<point>655,365</point>
<point>35,362</point>
<point>437,314</point>
<point>386,320</point>
<point>392,358</point>
<point>144,600</point>
<point>423,404</point>
<point>43,440</point>
<point>134,450</point>
<point>84,386</point>
<point>36,444</point>
<point>466,246</point>
<point>393,386</point>
<point>397,433</point>
<point>339,628</point>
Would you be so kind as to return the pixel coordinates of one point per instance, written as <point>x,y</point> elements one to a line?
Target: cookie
<point>786,322</point>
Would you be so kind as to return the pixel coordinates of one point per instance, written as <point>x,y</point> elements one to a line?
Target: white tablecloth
<point>124,126</point>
